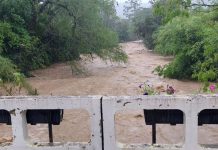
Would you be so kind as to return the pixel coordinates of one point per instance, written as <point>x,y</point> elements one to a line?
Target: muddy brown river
<point>106,78</point>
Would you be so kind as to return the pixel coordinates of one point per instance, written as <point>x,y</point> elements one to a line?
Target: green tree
<point>124,31</point>
<point>37,33</point>
<point>145,25</point>
<point>168,9</point>
<point>131,7</point>
<point>46,31</point>
<point>192,41</point>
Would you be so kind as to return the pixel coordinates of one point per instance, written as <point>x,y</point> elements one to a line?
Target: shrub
<point>7,69</point>
<point>193,41</point>
<point>11,80</point>
<point>23,49</point>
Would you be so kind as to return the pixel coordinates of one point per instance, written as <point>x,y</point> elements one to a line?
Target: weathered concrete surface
<point>17,107</point>
<point>105,108</point>
<point>189,105</point>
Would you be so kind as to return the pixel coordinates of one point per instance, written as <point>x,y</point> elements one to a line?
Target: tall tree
<point>48,31</point>
<point>168,9</point>
<point>146,24</point>
<point>131,7</point>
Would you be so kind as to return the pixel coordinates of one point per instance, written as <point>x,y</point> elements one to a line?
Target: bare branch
<point>204,5</point>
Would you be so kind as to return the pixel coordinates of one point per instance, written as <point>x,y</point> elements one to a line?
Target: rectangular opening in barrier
<point>208,128</point>
<point>73,127</point>
<point>6,137</point>
<point>147,127</point>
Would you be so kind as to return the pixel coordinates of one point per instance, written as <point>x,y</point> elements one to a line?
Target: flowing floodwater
<point>106,78</point>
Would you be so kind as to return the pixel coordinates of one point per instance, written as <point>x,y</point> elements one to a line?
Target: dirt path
<point>111,79</point>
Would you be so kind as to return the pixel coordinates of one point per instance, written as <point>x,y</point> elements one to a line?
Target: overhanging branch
<point>204,5</point>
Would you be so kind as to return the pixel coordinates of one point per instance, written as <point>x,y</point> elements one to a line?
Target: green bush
<point>7,70</point>
<point>23,49</point>
<point>34,34</point>
<point>11,80</point>
<point>193,41</point>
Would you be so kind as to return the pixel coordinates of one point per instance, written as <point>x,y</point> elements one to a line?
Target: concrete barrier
<point>189,105</point>
<point>102,113</point>
<point>17,107</point>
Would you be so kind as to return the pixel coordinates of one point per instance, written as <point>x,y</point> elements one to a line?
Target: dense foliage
<point>141,21</point>
<point>37,33</point>
<point>146,24</point>
<point>185,29</point>
<point>11,82</point>
<point>131,7</point>
<point>125,30</point>
<point>7,69</point>
<point>193,42</point>
<point>168,9</point>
